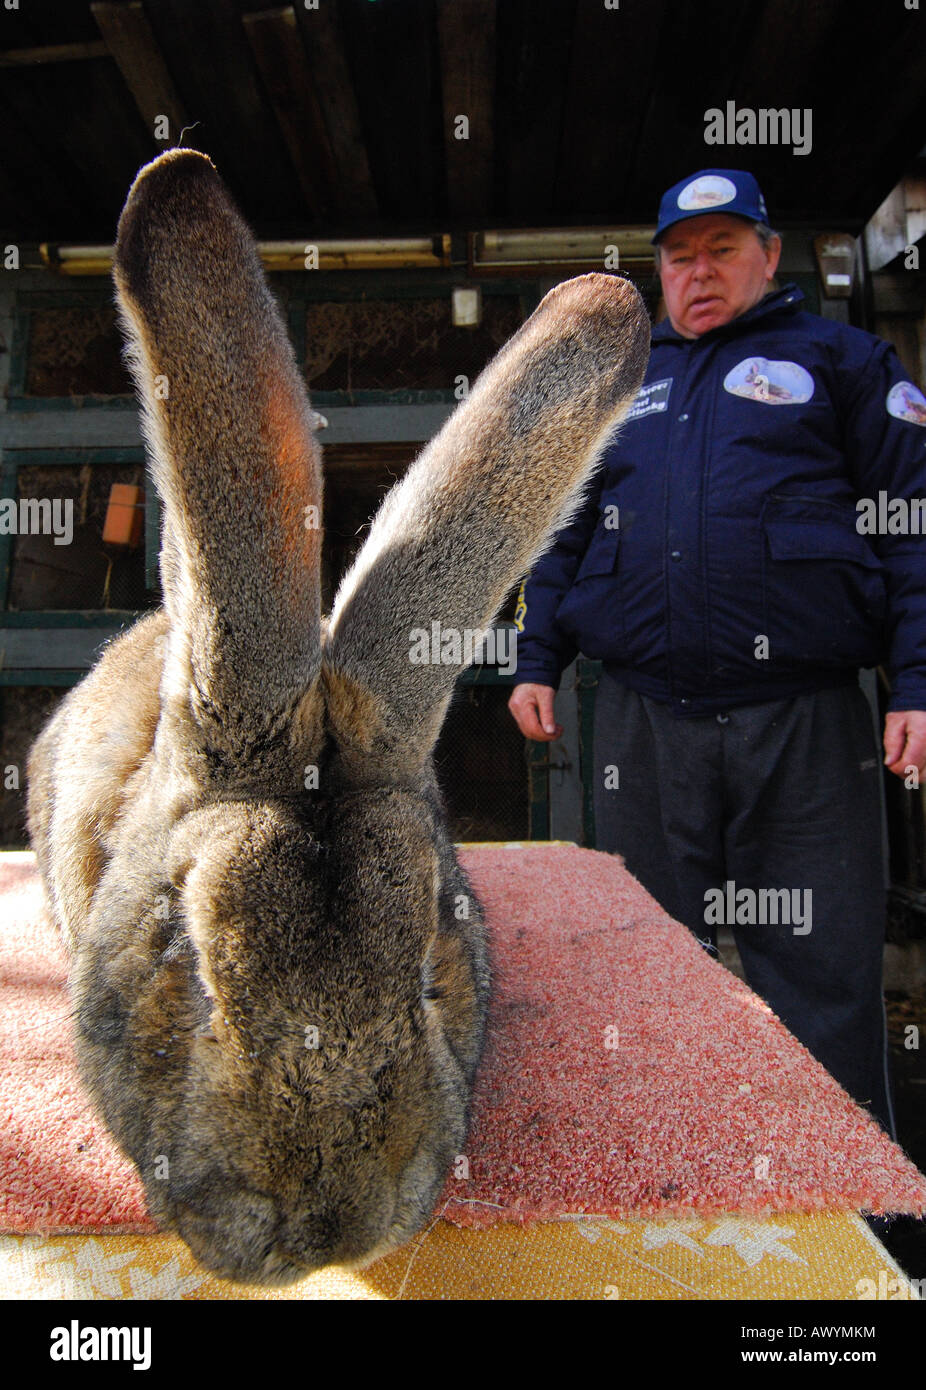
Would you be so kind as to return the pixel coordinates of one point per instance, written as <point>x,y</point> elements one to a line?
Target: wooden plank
<point>210,60</point>
<point>63,617</point>
<point>22,211</point>
<point>332,84</point>
<point>51,191</point>
<point>280,57</point>
<point>25,676</point>
<point>384,424</point>
<point>900,295</point>
<point>52,53</point>
<point>391,51</point>
<point>776,70</point>
<point>466,40</point>
<point>58,114</point>
<point>863,147</point>
<point>8,488</point>
<point>533,44</point>
<point>62,648</point>
<point>699,51</point>
<point>614,56</point>
<point>129,39</point>
<point>100,427</point>
<point>886,233</point>
<point>95,427</point>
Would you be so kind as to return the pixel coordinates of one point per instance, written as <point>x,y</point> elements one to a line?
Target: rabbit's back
<point>83,768</point>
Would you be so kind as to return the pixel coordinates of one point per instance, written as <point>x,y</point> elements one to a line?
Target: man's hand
<point>532,707</point>
<point>904,740</point>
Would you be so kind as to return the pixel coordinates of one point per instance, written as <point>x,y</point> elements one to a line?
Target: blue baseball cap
<point>712,190</point>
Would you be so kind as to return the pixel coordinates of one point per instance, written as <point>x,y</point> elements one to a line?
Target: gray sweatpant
<point>783,795</point>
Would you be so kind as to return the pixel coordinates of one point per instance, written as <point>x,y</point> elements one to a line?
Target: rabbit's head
<point>281,979</point>
<point>274,1050</point>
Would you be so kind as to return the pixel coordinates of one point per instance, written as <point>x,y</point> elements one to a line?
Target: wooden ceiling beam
<point>393,58</point>
<point>778,72</point>
<point>277,47</point>
<point>859,148</point>
<point>53,118</point>
<point>336,100</point>
<point>466,39</point>
<point>208,54</point>
<point>699,52</point>
<point>53,53</point>
<point>16,201</point>
<point>533,41</point>
<point>614,55</point>
<point>130,40</point>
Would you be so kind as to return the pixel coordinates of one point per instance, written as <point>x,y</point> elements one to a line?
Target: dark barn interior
<point>338,120</point>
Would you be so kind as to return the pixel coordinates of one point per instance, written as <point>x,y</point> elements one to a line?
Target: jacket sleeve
<point>543,651</point>
<point>887,455</point>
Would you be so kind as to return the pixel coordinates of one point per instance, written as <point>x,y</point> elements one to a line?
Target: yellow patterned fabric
<point>829,1256</point>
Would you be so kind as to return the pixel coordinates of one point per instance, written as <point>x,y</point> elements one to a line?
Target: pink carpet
<point>699,1100</point>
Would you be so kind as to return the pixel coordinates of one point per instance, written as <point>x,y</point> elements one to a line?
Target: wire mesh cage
<point>75,350</point>
<point>481,766</point>
<point>401,344</point>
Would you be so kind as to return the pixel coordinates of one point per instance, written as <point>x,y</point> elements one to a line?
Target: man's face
<point>713,268</point>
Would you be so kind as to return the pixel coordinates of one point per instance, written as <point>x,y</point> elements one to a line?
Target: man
<point>719,571</point>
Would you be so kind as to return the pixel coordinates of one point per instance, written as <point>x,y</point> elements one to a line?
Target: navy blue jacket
<point>719,558</point>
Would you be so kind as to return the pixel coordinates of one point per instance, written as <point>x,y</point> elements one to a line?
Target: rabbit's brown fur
<point>280,990</point>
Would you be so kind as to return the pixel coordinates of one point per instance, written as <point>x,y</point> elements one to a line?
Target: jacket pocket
<point>591,610</point>
<point>601,555</point>
<point>824,599</point>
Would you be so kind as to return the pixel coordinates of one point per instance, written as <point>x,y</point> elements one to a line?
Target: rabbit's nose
<point>230,1231</point>
<point>337,1232</point>
<point>312,1240</point>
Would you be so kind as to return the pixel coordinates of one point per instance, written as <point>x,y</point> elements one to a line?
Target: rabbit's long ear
<point>235,461</point>
<point>472,514</point>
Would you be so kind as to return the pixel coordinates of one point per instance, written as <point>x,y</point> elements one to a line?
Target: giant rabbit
<point>279,970</point>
